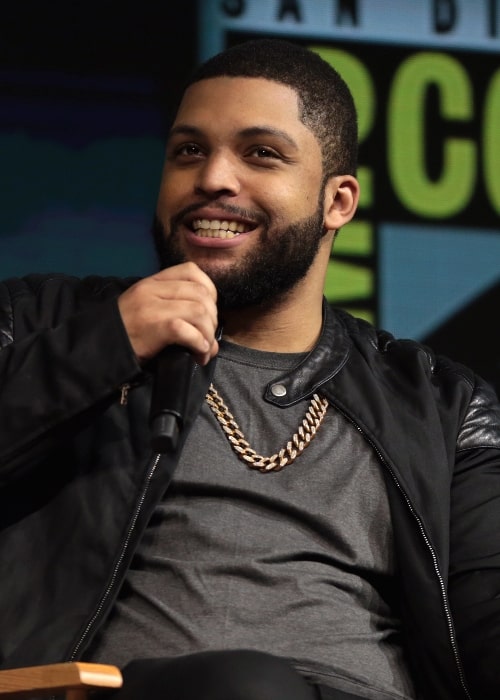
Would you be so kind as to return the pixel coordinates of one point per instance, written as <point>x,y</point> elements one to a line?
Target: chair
<point>72,680</point>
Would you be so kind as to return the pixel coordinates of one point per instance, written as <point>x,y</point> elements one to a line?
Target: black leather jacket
<point>78,481</point>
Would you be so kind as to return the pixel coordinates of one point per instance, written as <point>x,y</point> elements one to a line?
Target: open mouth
<point>217,228</point>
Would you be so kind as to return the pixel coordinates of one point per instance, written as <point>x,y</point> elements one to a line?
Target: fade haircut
<point>326,106</point>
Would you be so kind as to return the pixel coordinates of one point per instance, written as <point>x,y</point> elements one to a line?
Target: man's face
<point>241,193</point>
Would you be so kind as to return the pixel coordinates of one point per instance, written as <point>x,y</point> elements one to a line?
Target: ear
<point>341,201</point>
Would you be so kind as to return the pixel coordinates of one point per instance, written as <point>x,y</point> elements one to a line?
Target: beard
<point>266,273</point>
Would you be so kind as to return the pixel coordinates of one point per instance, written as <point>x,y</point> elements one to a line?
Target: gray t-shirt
<point>297,562</point>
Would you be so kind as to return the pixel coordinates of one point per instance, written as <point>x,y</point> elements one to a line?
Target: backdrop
<point>88,87</point>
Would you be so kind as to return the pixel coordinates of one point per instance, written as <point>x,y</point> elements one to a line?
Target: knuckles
<point>176,306</point>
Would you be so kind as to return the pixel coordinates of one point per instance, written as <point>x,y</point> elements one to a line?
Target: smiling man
<point>328,525</point>
<point>253,197</point>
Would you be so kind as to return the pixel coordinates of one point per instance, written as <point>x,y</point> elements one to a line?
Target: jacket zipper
<point>124,389</point>
<point>442,588</point>
<point>114,575</point>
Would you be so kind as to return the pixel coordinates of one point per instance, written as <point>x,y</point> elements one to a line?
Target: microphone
<point>171,386</point>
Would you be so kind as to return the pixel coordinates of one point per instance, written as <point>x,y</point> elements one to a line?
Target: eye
<point>264,152</point>
<point>188,149</point>
<point>185,151</point>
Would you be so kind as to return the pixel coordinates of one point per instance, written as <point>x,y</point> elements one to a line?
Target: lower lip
<point>206,242</point>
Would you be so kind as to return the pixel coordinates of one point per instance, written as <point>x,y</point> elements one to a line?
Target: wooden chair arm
<point>73,680</point>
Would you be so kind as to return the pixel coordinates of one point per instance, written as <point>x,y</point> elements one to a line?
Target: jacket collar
<point>324,361</point>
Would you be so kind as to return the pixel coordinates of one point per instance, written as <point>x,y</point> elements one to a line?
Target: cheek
<point>169,195</point>
<point>297,202</point>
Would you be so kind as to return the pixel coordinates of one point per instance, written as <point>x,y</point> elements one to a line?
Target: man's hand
<point>175,306</point>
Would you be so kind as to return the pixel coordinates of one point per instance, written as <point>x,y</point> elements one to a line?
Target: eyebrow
<point>249,132</point>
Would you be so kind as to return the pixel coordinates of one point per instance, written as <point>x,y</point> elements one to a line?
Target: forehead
<point>237,103</point>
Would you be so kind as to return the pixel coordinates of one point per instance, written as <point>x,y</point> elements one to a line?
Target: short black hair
<point>325,102</point>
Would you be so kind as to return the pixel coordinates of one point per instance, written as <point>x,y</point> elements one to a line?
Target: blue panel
<point>428,273</point>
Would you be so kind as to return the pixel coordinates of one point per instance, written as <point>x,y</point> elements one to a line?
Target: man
<point>328,525</point>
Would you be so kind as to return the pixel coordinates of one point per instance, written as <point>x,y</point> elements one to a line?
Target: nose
<point>218,174</point>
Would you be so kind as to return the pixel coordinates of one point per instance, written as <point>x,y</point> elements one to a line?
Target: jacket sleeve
<point>474,581</point>
<point>64,352</point>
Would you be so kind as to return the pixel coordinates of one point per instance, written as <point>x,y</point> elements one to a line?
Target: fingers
<point>177,305</point>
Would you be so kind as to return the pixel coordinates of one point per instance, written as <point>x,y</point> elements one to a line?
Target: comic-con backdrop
<point>87,89</point>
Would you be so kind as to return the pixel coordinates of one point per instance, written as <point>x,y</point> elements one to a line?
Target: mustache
<point>257,216</point>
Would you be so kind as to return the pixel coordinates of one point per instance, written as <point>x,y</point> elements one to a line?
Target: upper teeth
<point>215,228</point>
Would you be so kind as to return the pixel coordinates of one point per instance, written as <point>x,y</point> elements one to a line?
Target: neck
<point>292,325</point>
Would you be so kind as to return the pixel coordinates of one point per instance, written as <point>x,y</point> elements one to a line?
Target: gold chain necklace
<point>288,454</point>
